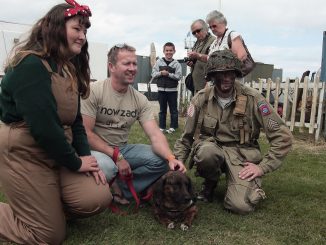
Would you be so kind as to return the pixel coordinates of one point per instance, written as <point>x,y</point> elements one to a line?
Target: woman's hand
<point>89,164</point>
<point>99,177</point>
<point>90,167</point>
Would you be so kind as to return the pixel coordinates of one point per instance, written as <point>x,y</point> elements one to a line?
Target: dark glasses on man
<point>120,45</point>
<point>196,31</point>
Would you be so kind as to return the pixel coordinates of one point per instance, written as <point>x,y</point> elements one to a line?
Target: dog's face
<point>174,189</point>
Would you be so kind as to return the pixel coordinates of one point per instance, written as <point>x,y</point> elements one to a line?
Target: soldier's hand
<point>250,171</point>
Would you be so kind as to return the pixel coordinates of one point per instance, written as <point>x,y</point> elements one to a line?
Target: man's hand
<point>250,171</point>
<point>124,167</point>
<point>190,63</point>
<point>192,55</point>
<point>175,164</point>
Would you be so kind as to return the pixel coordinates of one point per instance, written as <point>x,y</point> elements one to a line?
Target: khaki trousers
<point>211,160</point>
<point>39,194</point>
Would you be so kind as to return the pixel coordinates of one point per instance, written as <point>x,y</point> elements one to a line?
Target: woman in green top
<point>46,162</point>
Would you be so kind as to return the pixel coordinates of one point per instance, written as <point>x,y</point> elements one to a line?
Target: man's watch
<point>120,157</point>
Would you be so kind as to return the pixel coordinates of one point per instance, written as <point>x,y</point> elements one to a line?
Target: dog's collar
<point>191,203</point>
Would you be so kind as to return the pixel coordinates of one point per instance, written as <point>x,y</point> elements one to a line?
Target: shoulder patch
<point>272,125</point>
<point>264,108</point>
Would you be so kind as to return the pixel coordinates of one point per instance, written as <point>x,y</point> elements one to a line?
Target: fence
<point>300,104</point>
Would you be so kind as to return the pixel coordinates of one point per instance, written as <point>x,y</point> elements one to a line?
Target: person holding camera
<point>197,57</point>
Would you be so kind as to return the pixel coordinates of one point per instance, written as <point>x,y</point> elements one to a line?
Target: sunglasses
<point>196,31</point>
<point>120,45</point>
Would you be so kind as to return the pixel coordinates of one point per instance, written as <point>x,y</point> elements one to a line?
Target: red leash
<point>126,178</point>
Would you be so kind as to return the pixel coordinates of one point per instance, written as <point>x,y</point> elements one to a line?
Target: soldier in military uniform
<point>221,135</point>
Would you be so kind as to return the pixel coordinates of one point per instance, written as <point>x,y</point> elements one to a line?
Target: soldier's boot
<point>207,192</point>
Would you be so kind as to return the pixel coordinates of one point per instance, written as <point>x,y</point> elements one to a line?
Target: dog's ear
<point>158,190</point>
<point>190,188</point>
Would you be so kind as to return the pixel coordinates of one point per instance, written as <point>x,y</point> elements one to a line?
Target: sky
<point>286,33</point>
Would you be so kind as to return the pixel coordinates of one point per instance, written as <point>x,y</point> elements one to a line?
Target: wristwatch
<point>120,157</point>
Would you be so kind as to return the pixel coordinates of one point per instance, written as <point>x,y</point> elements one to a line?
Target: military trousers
<point>212,159</point>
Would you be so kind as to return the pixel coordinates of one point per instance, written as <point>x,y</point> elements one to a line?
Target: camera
<point>187,59</point>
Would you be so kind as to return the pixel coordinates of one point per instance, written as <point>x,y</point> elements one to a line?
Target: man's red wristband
<point>115,155</point>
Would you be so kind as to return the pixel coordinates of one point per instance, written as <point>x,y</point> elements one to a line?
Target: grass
<point>293,213</point>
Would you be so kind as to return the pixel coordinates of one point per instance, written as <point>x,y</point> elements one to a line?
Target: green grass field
<point>293,213</point>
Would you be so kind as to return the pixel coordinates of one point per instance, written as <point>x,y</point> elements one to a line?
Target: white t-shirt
<point>115,112</point>
<point>219,44</point>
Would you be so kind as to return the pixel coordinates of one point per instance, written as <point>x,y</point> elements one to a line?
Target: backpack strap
<point>229,40</point>
<point>239,112</point>
<point>202,115</point>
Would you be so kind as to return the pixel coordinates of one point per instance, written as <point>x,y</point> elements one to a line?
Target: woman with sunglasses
<point>218,24</point>
<point>46,162</point>
<point>201,48</point>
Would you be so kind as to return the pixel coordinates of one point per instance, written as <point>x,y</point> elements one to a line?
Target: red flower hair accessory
<point>77,9</point>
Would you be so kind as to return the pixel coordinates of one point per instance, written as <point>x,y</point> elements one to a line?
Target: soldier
<point>221,135</point>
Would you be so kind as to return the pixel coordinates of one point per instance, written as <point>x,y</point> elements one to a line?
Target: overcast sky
<point>286,33</point>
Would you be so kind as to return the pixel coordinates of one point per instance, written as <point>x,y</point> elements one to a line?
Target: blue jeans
<point>146,166</point>
<point>165,99</point>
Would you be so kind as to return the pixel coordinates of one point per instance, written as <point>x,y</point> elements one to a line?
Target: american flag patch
<point>264,108</point>
<point>191,110</point>
<point>272,125</point>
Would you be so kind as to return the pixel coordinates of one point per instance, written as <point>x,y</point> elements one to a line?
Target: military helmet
<point>223,60</point>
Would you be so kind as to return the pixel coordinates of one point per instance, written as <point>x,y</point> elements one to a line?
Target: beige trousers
<point>211,160</point>
<point>39,194</point>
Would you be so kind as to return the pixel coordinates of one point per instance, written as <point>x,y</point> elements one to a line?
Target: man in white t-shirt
<point>108,114</point>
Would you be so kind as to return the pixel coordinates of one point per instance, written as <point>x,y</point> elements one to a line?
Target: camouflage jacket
<point>223,125</point>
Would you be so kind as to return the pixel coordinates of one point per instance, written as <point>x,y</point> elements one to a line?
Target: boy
<point>166,73</point>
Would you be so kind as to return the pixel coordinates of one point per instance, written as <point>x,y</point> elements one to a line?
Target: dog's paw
<point>184,227</point>
<point>171,225</point>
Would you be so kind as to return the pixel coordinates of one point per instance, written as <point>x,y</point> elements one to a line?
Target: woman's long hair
<point>48,39</point>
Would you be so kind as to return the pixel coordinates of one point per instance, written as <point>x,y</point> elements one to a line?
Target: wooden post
<point>314,105</point>
<point>277,93</point>
<point>294,104</point>
<point>303,104</point>
<point>260,85</point>
<point>268,89</point>
<point>320,112</point>
<point>286,99</point>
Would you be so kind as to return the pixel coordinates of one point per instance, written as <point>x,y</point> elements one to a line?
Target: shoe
<point>119,199</point>
<point>162,130</point>
<point>170,130</point>
<point>207,192</point>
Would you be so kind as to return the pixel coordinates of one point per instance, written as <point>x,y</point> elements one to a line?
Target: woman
<point>201,47</point>
<point>46,160</point>
<point>218,24</point>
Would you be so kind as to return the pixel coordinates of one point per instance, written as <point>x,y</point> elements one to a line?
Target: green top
<point>26,95</point>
